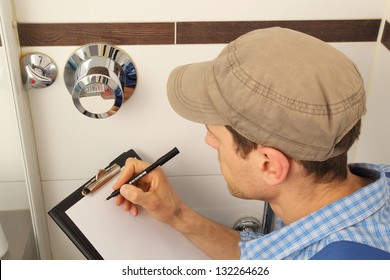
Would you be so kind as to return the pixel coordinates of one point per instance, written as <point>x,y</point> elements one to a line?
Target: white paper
<point>116,234</point>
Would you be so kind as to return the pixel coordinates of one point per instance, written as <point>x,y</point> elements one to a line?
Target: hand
<point>153,192</point>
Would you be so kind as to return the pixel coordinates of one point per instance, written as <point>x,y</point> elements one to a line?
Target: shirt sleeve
<point>247,236</point>
<point>246,247</point>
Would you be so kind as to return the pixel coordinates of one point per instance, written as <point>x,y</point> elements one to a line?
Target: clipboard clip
<point>101,177</point>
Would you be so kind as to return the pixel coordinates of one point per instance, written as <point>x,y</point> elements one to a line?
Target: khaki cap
<point>277,87</point>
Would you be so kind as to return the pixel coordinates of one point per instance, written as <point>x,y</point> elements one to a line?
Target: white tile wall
<point>278,9</point>
<point>387,13</point>
<point>171,10</point>
<point>71,147</point>
<point>374,142</point>
<point>11,166</point>
<point>12,180</point>
<point>145,122</point>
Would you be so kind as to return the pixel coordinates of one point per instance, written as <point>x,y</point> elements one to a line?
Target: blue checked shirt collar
<point>334,217</point>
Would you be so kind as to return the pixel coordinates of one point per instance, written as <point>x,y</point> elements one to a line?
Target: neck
<point>303,197</point>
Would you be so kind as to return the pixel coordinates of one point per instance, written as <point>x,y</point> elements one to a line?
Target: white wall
<point>71,147</point>
<point>374,141</point>
<point>188,10</point>
<point>12,180</point>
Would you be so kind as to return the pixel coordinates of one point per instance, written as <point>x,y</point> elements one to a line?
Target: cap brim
<point>188,93</point>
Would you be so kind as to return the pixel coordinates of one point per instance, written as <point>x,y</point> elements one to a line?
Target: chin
<point>233,191</point>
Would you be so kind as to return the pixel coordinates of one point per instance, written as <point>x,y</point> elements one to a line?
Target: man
<point>282,109</point>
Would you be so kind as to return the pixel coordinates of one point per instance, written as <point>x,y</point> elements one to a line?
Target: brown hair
<point>323,171</point>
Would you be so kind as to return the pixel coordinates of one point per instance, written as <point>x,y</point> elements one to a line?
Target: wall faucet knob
<point>38,71</point>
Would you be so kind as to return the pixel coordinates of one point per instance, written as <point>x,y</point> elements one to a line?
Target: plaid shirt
<point>363,216</point>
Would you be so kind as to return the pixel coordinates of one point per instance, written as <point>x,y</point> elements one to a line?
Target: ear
<point>275,165</point>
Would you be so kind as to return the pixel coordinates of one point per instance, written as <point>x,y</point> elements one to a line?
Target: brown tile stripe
<point>327,30</point>
<point>386,36</point>
<point>187,32</point>
<point>64,34</point>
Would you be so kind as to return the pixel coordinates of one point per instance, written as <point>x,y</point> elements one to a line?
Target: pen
<point>154,165</point>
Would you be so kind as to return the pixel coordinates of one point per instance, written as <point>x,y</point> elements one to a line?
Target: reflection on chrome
<point>100,78</point>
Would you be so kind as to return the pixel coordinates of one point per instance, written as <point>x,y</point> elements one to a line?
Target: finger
<point>127,205</point>
<point>132,167</point>
<point>133,194</point>
<point>119,200</point>
<point>133,210</point>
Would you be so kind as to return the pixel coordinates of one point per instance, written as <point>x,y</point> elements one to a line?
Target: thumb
<point>133,194</point>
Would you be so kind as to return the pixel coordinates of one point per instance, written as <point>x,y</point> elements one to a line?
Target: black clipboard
<point>58,213</point>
